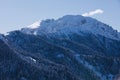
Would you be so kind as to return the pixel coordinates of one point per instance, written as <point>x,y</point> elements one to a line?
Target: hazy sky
<point>15,14</point>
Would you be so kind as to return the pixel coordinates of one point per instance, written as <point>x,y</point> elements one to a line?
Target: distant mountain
<point>69,48</point>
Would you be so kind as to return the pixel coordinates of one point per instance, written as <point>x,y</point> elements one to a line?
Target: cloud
<point>91,13</point>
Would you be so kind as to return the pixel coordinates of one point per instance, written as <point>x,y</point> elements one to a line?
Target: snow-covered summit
<point>34,25</point>
<point>74,24</point>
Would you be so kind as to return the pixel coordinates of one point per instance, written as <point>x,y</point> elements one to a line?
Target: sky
<point>16,14</point>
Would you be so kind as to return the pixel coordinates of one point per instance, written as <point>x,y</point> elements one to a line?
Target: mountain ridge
<point>74,23</point>
<point>70,48</point>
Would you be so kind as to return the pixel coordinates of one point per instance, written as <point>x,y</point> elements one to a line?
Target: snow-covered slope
<point>34,25</point>
<point>73,24</point>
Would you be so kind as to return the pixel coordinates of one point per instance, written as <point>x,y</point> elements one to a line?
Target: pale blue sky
<point>15,14</point>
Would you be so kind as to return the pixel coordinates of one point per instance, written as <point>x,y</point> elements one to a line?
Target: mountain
<point>70,48</point>
<point>20,65</point>
<point>73,24</point>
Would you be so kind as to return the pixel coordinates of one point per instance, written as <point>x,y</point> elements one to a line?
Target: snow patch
<point>7,33</point>
<point>34,25</point>
<point>32,59</point>
<point>35,32</point>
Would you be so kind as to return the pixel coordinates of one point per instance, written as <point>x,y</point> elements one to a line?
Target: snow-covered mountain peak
<point>34,25</point>
<point>73,24</point>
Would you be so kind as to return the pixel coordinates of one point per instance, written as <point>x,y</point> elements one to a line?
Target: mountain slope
<point>85,59</point>
<point>82,47</point>
<point>19,65</point>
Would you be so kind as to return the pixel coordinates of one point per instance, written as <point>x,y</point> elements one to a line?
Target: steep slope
<point>36,45</point>
<point>85,61</point>
<point>19,65</point>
